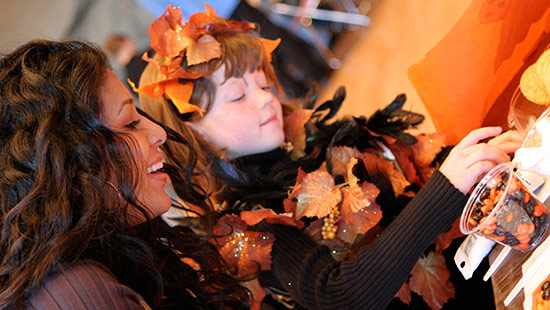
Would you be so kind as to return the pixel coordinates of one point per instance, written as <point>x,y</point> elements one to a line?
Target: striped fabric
<point>86,285</point>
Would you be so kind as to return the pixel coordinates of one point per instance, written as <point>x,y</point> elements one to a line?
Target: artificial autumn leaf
<point>427,147</point>
<point>404,294</point>
<point>317,194</point>
<point>246,250</point>
<point>203,50</point>
<point>403,155</point>
<point>444,241</point>
<point>430,279</point>
<point>377,165</point>
<point>254,217</point>
<point>340,157</point>
<point>359,199</point>
<point>270,46</point>
<point>290,202</point>
<point>295,131</point>
<point>180,94</point>
<point>209,16</point>
<point>168,37</point>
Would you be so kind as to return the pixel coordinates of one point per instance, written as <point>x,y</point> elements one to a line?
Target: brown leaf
<point>243,249</point>
<point>295,131</point>
<point>404,294</point>
<point>317,194</point>
<point>205,49</point>
<point>378,165</point>
<point>445,239</point>
<point>339,158</point>
<point>403,155</point>
<point>291,202</point>
<point>430,279</point>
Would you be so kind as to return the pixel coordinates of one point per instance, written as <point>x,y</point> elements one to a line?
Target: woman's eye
<point>133,124</point>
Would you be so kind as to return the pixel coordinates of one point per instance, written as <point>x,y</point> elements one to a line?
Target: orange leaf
<point>254,217</point>
<point>295,131</point>
<point>180,95</point>
<point>404,294</point>
<point>205,49</point>
<point>444,241</point>
<point>317,194</point>
<point>377,165</point>
<point>241,248</point>
<point>430,279</point>
<point>168,36</point>
<point>270,46</point>
<point>209,16</point>
<point>340,157</point>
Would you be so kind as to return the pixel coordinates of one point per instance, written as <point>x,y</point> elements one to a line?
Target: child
<point>230,98</point>
<point>81,191</point>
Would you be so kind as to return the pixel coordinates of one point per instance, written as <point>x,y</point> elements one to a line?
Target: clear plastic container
<point>534,153</point>
<point>502,208</point>
<point>523,113</point>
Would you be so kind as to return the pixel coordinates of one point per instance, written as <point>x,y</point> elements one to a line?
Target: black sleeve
<point>317,281</point>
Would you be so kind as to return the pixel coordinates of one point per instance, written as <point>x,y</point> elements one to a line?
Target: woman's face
<point>119,112</point>
<point>245,117</point>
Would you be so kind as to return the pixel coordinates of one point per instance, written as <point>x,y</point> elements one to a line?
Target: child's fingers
<point>479,134</point>
<point>479,152</point>
<point>509,141</point>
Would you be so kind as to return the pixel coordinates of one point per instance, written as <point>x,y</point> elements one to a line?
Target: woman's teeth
<point>155,167</point>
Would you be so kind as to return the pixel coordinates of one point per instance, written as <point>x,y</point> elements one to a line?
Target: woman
<point>81,191</point>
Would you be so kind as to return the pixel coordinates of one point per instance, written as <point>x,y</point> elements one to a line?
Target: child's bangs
<point>242,53</point>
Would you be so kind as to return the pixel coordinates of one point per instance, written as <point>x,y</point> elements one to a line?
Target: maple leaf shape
<point>377,165</point>
<point>404,294</point>
<point>295,131</point>
<point>241,248</point>
<point>254,217</point>
<point>360,201</point>
<point>317,194</point>
<point>340,157</point>
<point>444,241</point>
<point>430,279</point>
<point>203,50</point>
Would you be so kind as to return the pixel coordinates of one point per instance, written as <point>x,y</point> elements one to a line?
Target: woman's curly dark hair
<point>58,204</point>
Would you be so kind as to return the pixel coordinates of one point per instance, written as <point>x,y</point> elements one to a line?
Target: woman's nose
<point>157,135</point>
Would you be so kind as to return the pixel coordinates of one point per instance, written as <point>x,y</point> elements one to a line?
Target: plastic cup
<point>502,208</point>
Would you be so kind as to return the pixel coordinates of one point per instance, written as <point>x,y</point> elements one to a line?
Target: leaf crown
<point>194,41</point>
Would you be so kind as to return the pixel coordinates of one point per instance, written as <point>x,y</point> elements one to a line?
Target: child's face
<point>245,117</point>
<point>119,112</point>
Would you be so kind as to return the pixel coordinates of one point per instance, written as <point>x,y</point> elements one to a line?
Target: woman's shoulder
<point>85,284</point>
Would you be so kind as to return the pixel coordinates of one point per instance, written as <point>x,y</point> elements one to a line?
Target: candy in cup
<point>502,208</point>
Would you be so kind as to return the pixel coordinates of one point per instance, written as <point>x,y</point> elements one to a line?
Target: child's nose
<point>264,97</point>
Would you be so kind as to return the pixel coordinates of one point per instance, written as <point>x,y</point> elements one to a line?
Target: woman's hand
<point>469,159</point>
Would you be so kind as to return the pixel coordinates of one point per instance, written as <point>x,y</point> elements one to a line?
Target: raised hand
<point>469,160</point>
